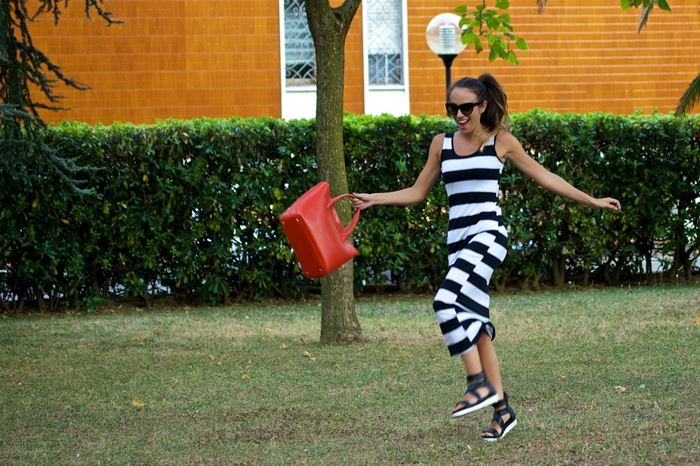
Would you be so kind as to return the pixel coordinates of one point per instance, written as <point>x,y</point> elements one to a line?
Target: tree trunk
<point>5,306</point>
<point>96,288</point>
<point>53,299</point>
<point>648,266</point>
<point>617,271</point>
<point>677,260</point>
<point>559,270</point>
<point>536,280</point>
<point>586,273</point>
<point>399,280</point>
<point>146,295</point>
<point>525,285</point>
<point>500,282</point>
<point>39,299</point>
<point>329,28</point>
<point>687,265</point>
<point>606,273</point>
<point>21,298</point>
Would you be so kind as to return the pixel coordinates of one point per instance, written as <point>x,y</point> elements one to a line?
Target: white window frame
<point>392,99</point>
<point>296,102</point>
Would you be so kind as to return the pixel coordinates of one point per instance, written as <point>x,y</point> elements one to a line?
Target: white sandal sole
<point>503,434</point>
<point>487,402</point>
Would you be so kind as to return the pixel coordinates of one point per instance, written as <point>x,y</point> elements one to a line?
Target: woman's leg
<point>489,361</point>
<point>479,390</point>
<point>472,361</point>
<point>462,309</point>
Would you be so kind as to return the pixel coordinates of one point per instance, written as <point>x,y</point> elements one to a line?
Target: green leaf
<point>663,4</point>
<point>625,5</point>
<point>493,23</point>
<point>511,58</point>
<point>505,17</point>
<point>502,4</point>
<point>521,44</point>
<point>470,38</point>
<point>462,10</point>
<point>493,54</point>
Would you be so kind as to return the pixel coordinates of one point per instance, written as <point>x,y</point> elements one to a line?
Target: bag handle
<point>353,223</point>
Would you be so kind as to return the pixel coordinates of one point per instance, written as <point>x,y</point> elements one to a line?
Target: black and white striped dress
<point>477,243</point>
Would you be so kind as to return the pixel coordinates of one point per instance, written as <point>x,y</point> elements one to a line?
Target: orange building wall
<point>354,91</point>
<point>583,57</point>
<point>219,58</point>
<point>171,59</point>
<point>177,59</point>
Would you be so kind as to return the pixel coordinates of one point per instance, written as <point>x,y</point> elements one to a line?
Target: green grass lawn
<point>250,385</point>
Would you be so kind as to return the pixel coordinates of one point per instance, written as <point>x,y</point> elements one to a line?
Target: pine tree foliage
<point>24,70</point>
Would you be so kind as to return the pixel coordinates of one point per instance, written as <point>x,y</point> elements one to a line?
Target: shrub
<point>191,207</point>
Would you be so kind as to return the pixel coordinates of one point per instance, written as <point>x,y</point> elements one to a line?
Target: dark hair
<point>495,118</point>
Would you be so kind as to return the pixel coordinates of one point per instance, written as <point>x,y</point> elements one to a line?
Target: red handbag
<point>315,232</point>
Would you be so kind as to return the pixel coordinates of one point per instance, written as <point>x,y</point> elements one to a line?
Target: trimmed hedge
<point>191,207</point>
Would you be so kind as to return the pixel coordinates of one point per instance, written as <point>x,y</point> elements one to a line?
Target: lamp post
<point>443,36</point>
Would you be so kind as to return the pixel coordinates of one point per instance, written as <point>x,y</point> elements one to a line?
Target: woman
<point>471,161</point>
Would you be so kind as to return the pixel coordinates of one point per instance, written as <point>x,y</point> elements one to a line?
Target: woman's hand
<point>362,201</point>
<point>607,203</point>
<point>416,193</point>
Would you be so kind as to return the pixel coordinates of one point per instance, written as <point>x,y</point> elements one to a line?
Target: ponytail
<point>495,118</point>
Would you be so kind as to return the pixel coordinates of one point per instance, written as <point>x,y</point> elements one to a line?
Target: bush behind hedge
<point>191,207</point>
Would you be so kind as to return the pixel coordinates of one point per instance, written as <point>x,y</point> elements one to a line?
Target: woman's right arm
<point>416,193</point>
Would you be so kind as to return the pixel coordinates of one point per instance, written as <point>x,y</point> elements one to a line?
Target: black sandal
<point>474,383</point>
<point>501,409</point>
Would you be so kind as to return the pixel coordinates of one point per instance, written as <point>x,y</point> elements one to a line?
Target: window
<point>299,54</point>
<point>384,25</point>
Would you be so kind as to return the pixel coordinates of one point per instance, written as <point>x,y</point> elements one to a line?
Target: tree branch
<point>346,12</point>
<point>541,4</point>
<point>690,97</point>
<point>644,15</point>
<point>23,68</point>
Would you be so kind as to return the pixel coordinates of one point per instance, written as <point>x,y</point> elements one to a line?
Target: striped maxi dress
<point>477,243</point>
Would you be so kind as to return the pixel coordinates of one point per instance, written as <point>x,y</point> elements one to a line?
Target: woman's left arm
<point>512,150</point>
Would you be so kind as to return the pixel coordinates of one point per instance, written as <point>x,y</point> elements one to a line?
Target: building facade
<point>220,58</point>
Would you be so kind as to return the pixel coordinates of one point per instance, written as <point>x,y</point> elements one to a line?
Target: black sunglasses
<point>466,109</point>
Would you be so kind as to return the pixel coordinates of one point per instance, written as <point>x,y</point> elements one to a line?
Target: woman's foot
<point>503,421</point>
<point>480,394</point>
